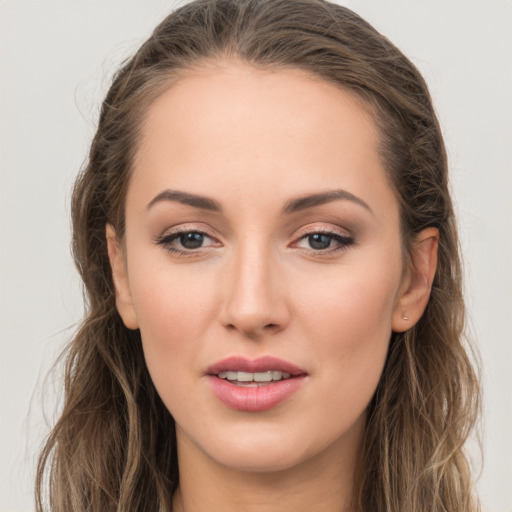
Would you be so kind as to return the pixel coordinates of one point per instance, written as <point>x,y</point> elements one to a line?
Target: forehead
<point>252,102</point>
<point>229,126</point>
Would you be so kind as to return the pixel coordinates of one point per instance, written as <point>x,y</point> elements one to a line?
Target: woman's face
<point>262,237</point>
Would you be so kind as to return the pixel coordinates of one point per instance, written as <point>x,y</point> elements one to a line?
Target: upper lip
<point>261,364</point>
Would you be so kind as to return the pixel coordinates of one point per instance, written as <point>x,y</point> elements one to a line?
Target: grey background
<point>56,59</point>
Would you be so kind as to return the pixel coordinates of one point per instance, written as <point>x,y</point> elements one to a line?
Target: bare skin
<point>253,270</point>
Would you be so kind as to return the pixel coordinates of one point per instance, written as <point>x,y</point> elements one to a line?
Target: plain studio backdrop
<point>56,61</point>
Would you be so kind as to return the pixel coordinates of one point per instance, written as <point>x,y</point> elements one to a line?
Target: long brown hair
<point>114,446</point>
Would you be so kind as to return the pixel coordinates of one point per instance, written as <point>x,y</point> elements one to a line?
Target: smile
<point>249,379</point>
<point>256,385</point>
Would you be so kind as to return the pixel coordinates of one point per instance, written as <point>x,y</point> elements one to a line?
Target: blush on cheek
<point>172,325</point>
<point>353,329</point>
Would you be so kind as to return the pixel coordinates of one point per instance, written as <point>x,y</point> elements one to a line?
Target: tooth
<point>268,376</point>
<point>263,376</point>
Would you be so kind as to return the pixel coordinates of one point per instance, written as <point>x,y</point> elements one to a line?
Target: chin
<point>269,460</point>
<point>262,449</point>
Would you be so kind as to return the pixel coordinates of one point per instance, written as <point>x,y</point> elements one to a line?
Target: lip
<point>261,364</point>
<point>254,399</point>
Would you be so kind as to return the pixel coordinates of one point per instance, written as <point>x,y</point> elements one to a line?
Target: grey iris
<point>191,240</point>
<point>319,241</point>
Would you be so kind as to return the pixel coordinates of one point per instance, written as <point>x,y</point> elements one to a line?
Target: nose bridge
<point>255,301</point>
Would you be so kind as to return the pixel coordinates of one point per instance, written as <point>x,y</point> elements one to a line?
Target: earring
<point>405,317</point>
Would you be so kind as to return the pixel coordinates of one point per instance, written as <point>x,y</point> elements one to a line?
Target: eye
<point>324,241</point>
<point>192,240</point>
<point>319,241</point>
<point>186,241</point>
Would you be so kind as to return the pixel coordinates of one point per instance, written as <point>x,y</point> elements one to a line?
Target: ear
<point>415,290</point>
<point>124,302</point>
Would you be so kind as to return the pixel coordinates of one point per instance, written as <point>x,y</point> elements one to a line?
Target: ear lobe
<point>415,291</point>
<point>124,302</point>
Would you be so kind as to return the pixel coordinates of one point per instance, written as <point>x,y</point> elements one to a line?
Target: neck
<point>321,484</point>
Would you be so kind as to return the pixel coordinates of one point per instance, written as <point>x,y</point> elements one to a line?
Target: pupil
<point>319,241</point>
<point>191,240</point>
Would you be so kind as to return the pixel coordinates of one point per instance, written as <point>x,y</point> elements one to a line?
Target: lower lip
<point>254,399</point>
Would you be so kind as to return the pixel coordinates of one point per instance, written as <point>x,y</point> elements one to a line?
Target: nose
<point>255,297</point>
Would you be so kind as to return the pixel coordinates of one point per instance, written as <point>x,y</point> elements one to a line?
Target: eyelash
<point>344,241</point>
<point>166,241</point>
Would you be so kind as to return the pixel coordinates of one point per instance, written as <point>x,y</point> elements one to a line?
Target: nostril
<point>252,331</point>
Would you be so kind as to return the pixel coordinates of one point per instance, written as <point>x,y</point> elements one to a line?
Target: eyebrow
<point>309,201</point>
<point>292,206</point>
<point>194,200</point>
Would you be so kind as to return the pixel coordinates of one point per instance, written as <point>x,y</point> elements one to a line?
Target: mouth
<point>253,379</point>
<point>254,385</point>
<point>262,371</point>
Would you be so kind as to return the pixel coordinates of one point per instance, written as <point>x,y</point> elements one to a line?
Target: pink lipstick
<point>254,385</point>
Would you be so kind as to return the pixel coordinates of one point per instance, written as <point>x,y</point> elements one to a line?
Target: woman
<point>268,245</point>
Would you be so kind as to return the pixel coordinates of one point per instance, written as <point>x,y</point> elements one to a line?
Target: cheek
<point>174,309</point>
<point>351,321</point>
<point>352,301</point>
<point>170,299</point>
